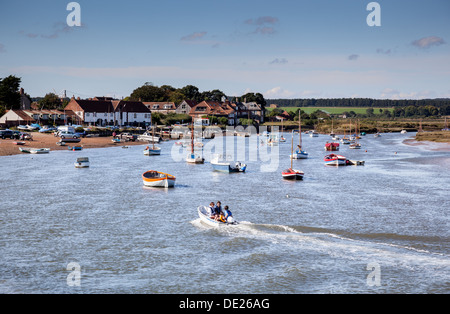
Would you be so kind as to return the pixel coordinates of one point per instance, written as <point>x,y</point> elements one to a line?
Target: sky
<point>282,49</point>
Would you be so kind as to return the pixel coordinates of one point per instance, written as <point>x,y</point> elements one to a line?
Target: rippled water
<point>313,236</point>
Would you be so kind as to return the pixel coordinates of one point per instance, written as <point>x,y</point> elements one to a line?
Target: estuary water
<point>378,228</point>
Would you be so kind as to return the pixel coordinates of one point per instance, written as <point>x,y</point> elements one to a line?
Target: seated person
<point>218,211</point>
<point>212,210</point>
<point>228,215</point>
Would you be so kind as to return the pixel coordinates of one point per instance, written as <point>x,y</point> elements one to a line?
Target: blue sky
<point>282,49</point>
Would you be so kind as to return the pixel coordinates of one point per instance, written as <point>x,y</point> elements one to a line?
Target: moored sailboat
<point>292,174</point>
<point>299,153</point>
<point>193,158</point>
<point>154,150</point>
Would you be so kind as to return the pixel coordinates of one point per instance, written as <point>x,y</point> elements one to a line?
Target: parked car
<point>6,134</point>
<point>64,135</point>
<point>128,136</point>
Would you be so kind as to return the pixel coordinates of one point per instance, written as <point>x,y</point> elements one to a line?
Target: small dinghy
<point>335,160</point>
<point>221,165</point>
<point>35,150</point>
<point>82,162</point>
<point>75,148</point>
<point>205,216</point>
<point>158,179</point>
<point>152,151</point>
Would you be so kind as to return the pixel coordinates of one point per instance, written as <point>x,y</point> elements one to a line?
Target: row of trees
<point>359,102</point>
<point>150,93</point>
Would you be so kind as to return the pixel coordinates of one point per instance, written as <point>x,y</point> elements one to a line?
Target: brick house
<point>185,106</point>
<point>161,107</point>
<point>217,109</point>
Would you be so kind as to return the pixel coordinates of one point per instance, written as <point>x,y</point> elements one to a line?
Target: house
<point>161,107</point>
<point>131,113</point>
<point>186,106</point>
<point>212,108</point>
<point>16,117</point>
<point>109,112</point>
<point>255,111</point>
<point>97,112</point>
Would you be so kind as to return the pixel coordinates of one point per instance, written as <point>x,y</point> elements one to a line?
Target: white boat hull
<point>152,152</point>
<point>165,183</point>
<point>226,167</point>
<point>38,150</point>
<point>149,138</point>
<point>204,214</point>
<point>158,179</point>
<point>82,165</point>
<point>299,155</point>
<point>193,159</point>
<point>338,160</point>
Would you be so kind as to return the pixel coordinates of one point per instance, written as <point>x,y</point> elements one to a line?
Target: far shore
<point>434,136</point>
<point>42,140</point>
<point>435,141</point>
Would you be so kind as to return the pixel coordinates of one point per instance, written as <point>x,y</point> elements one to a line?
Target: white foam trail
<point>336,245</point>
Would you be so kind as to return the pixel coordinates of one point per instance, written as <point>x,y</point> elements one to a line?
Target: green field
<point>333,110</point>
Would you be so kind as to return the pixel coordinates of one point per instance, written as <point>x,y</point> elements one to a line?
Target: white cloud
<point>278,92</point>
<point>427,42</point>
<point>264,25</point>
<point>262,20</point>
<point>279,61</point>
<point>194,36</point>
<point>391,93</point>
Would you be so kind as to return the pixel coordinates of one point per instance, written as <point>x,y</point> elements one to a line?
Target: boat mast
<point>153,136</point>
<point>192,138</point>
<point>299,129</point>
<point>292,147</point>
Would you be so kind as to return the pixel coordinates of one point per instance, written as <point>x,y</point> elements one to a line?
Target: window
<point>155,107</point>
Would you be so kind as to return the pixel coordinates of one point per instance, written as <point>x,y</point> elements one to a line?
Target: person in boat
<point>212,210</point>
<point>228,216</point>
<point>219,213</point>
<point>147,148</point>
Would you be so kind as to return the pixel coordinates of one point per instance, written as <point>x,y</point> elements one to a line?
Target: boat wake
<point>351,247</point>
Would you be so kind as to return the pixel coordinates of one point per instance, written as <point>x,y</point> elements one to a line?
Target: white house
<point>110,112</point>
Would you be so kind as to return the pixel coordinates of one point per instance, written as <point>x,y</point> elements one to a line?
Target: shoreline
<point>430,145</point>
<point>42,140</point>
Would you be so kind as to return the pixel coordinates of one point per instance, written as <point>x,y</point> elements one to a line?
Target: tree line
<point>151,93</point>
<point>402,107</point>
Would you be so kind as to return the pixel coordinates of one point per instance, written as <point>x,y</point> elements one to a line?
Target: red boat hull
<point>290,174</point>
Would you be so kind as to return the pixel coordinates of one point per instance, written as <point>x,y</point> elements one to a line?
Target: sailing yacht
<point>299,153</point>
